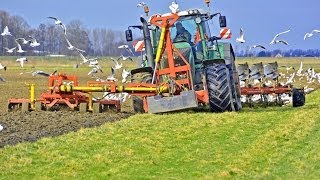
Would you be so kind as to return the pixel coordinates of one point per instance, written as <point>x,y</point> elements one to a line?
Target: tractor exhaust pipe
<point>147,42</point>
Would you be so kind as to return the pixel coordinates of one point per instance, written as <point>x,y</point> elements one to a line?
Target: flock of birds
<point>93,63</point>
<point>268,75</point>
<point>275,40</point>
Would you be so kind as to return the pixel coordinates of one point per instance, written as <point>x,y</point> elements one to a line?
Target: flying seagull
<point>33,42</point>
<point>10,50</point>
<point>281,41</point>
<point>3,67</point>
<point>84,59</point>
<point>126,47</point>
<point>308,35</point>
<point>24,41</point>
<point>22,60</point>
<point>174,7</point>
<point>141,4</point>
<point>6,32</point>
<point>125,74</point>
<point>71,47</point>
<point>59,23</point>
<point>240,39</point>
<point>41,73</point>
<point>257,46</point>
<point>20,50</point>
<point>2,79</point>
<point>277,35</point>
<point>117,65</point>
<point>1,127</point>
<point>111,77</point>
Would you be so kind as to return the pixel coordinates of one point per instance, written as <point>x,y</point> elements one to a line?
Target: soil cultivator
<point>260,84</point>
<point>185,66</point>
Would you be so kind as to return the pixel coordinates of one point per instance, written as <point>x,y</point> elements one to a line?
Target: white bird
<point>308,90</point>
<point>6,32</point>
<point>33,42</point>
<point>24,41</point>
<point>117,65</point>
<point>71,47</point>
<point>10,50</point>
<point>39,72</point>
<point>281,41</point>
<point>3,67</point>
<point>308,35</point>
<point>257,46</point>
<point>84,59</point>
<point>300,69</point>
<point>141,4</point>
<point>1,127</point>
<point>125,74</point>
<point>277,35</point>
<point>111,77</point>
<point>240,39</point>
<point>59,23</point>
<point>94,70</point>
<point>124,58</point>
<point>174,7</point>
<point>290,79</point>
<point>20,50</point>
<point>22,60</point>
<point>126,47</point>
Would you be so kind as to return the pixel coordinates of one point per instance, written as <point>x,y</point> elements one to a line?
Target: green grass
<point>274,142</point>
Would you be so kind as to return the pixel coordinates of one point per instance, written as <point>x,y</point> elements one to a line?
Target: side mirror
<point>129,35</point>
<point>223,21</point>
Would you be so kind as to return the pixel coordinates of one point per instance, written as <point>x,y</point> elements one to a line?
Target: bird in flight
<point>6,32</point>
<point>257,46</point>
<point>20,50</point>
<point>59,23</point>
<point>141,4</point>
<point>3,67</point>
<point>10,50</point>
<point>33,42</point>
<point>71,47</point>
<point>308,35</point>
<point>240,39</point>
<point>117,65</point>
<point>277,35</point>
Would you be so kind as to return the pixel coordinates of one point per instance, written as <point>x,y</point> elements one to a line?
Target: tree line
<point>96,42</point>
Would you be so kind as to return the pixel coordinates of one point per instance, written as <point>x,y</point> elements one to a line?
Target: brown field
<point>31,126</point>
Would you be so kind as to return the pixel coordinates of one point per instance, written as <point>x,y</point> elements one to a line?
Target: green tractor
<point>181,52</point>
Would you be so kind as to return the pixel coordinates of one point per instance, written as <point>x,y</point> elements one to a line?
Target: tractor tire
<point>37,106</point>
<point>25,107</point>
<point>142,77</point>
<point>83,107</point>
<point>96,108</point>
<point>298,97</point>
<point>219,89</point>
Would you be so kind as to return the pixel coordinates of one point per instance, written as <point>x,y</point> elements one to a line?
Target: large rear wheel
<point>141,77</point>
<point>219,89</point>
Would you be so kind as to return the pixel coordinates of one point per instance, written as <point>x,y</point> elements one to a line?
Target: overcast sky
<point>261,20</point>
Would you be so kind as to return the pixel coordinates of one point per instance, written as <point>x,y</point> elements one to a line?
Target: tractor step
<point>186,100</point>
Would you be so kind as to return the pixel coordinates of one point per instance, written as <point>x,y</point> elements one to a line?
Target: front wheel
<point>219,89</point>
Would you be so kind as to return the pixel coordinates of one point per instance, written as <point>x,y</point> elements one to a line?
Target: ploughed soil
<point>31,126</point>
